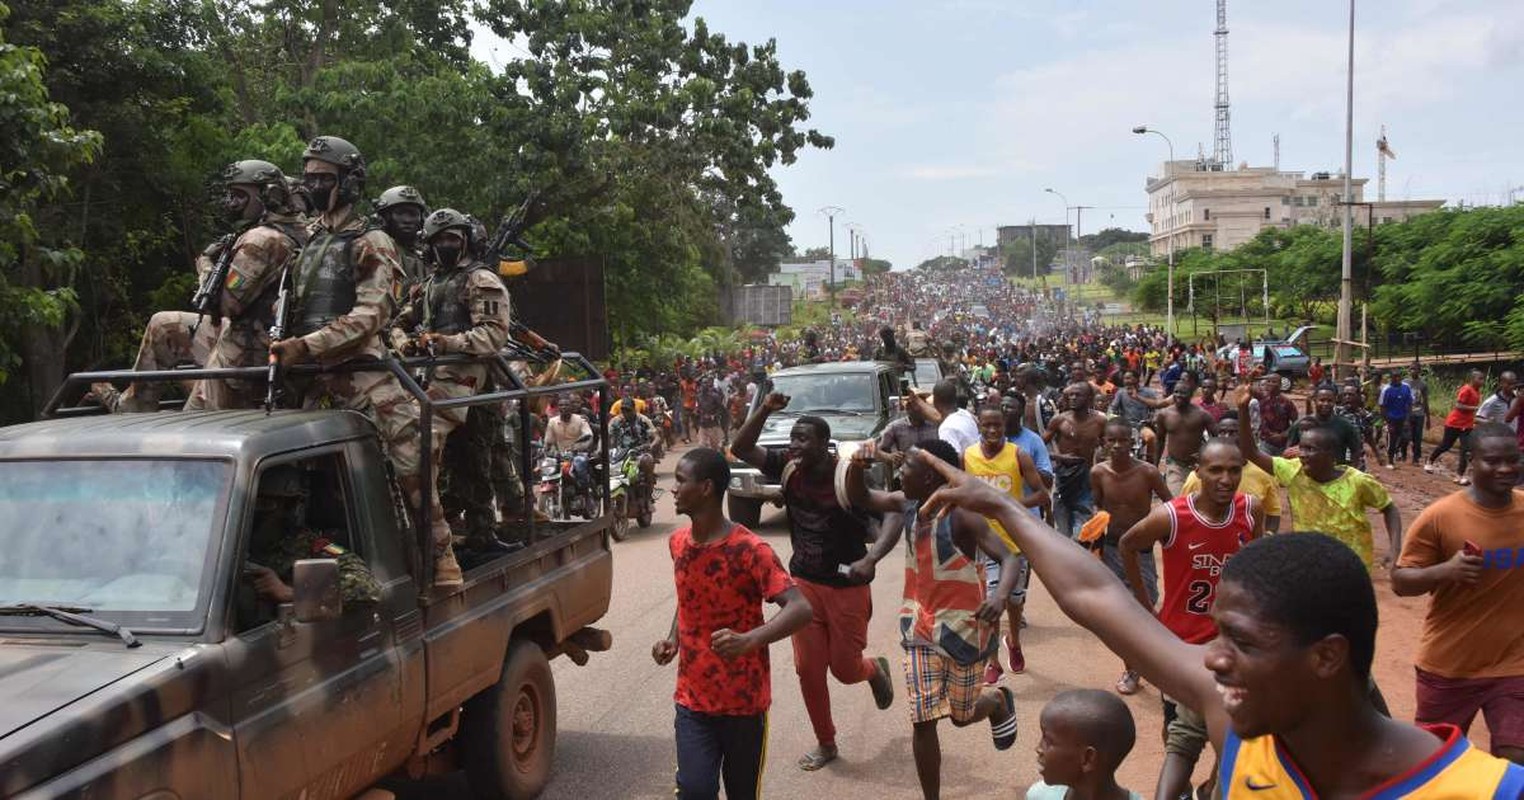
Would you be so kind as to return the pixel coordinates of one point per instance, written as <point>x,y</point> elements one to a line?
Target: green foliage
<point>38,148</point>
<point>651,137</point>
<point>875,266</point>
<point>942,264</point>
<point>1016,255</point>
<point>1096,242</point>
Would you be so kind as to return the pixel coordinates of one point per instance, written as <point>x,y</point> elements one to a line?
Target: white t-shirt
<point>562,435</point>
<point>1045,791</point>
<point>960,429</point>
<point>1493,409</point>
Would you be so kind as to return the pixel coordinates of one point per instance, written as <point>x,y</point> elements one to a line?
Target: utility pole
<point>1067,237</point>
<point>830,213</point>
<point>1346,274</point>
<point>1085,268</point>
<point>1169,226</point>
<point>1033,229</point>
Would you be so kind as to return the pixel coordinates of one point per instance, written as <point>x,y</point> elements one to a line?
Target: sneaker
<point>993,673</point>
<point>1013,653</point>
<point>447,570</point>
<point>1391,465</point>
<point>882,686</point>
<point>1429,467</point>
<point>1463,481</point>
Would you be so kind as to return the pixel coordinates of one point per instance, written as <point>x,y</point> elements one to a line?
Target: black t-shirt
<point>823,534</point>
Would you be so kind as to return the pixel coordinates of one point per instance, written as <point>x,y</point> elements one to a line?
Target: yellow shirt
<point>1256,769</point>
<point>1002,472</point>
<point>1255,482</point>
<point>640,407</point>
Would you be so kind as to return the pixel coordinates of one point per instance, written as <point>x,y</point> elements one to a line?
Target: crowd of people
<point>1104,458</point>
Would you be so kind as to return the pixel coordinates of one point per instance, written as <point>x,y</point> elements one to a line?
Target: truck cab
<point>857,398</point>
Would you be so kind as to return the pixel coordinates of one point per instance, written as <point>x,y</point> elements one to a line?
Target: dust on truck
<point>137,662</point>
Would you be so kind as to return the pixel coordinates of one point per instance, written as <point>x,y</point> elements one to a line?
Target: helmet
<point>400,196</point>
<point>253,171</point>
<point>283,480</point>
<point>478,237</point>
<point>444,219</point>
<point>271,191</point>
<point>345,156</point>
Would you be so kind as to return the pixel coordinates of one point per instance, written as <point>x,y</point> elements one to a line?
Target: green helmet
<point>445,219</point>
<point>255,172</point>
<point>478,236</point>
<point>345,156</point>
<point>400,196</point>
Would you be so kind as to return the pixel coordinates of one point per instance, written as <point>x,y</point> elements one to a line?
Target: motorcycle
<point>630,492</point>
<point>565,484</point>
<point>551,470</point>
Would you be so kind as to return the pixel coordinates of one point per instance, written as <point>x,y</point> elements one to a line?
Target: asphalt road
<point>615,714</point>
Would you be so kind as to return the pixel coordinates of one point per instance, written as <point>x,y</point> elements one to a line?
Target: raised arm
<point>744,446</point>
<point>1252,454</point>
<point>1089,594</point>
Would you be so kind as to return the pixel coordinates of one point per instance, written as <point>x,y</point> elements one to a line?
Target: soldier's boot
<point>447,569</point>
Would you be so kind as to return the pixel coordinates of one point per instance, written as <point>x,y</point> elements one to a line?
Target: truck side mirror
<point>315,589</point>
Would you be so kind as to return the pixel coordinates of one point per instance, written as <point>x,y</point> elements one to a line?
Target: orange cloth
<point>1093,533</point>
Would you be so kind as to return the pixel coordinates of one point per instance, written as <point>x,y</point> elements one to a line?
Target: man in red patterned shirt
<point>723,573</point>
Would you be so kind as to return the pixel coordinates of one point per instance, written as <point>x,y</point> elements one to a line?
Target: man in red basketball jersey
<point>1199,532</point>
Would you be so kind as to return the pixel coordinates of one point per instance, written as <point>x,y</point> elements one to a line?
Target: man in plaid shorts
<point>947,623</point>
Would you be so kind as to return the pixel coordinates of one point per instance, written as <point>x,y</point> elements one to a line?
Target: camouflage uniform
<point>468,304</point>
<point>356,583</point>
<point>246,306</point>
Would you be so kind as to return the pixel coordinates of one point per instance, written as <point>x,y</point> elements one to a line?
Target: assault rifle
<point>277,333</point>
<point>208,296</point>
<point>510,232</point>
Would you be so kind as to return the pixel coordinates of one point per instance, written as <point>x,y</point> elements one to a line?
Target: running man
<point>724,573</point>
<point>1077,432</point>
<point>1199,532</point>
<point>1182,427</point>
<point>1463,552</point>
<point>1125,488</point>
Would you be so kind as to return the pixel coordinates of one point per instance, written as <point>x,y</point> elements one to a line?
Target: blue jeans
<point>1073,504</point>
<point>709,746</point>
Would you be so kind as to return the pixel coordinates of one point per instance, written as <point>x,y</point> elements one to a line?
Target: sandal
<point>880,683</point>
<point>1004,731</point>
<point>1128,683</point>
<point>817,758</point>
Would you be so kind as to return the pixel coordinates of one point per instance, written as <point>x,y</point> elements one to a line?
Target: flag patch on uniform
<point>333,550</point>
<point>235,280</point>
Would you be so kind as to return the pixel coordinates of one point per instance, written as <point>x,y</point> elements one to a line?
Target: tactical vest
<point>261,312</point>
<point>325,281</point>
<point>447,301</point>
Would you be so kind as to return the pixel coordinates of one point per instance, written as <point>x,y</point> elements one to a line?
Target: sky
<point>952,116</point>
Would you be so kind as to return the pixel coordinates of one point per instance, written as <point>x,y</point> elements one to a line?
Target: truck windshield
<point>817,393</point>
<point>124,538</point>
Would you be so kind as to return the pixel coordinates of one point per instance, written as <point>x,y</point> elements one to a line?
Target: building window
<point>1267,212</point>
<point>1385,220</point>
<point>1312,202</point>
<point>1285,200</point>
<point>1206,213</point>
<point>1206,241</point>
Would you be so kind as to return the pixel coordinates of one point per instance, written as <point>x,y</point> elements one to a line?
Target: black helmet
<point>444,219</point>
<point>400,196</point>
<point>345,156</point>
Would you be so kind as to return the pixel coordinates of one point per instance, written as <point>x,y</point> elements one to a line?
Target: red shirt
<point>1194,555</point>
<point>1464,420</point>
<point>722,585</point>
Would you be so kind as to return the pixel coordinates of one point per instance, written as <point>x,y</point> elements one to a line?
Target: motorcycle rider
<point>570,432</point>
<point>402,209</point>
<point>346,286</point>
<point>462,307</point>
<point>631,430</point>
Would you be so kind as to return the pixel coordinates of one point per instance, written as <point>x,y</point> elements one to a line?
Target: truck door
<point>314,704</point>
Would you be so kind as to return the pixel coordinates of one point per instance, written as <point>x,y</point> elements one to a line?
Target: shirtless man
<point>1077,432</point>
<point>1181,430</point>
<point>1125,488</point>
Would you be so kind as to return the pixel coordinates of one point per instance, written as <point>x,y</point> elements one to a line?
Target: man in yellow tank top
<point>1003,465</point>
<point>1284,687</point>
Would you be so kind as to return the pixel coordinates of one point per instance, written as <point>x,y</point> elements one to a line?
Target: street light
<point>1066,225</point>
<point>830,213</point>
<point>1169,318</point>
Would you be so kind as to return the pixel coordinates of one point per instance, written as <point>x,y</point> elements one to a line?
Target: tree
<point>875,266</point>
<point>1016,255</point>
<point>1096,242</point>
<point>942,264</point>
<point>813,254</point>
<point>38,263</point>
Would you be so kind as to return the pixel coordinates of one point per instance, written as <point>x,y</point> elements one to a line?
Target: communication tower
<point>1222,145</point>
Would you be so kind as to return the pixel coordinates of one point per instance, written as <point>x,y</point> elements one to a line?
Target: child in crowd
<point>1086,734</point>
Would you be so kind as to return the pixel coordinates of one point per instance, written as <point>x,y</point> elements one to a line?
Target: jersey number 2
<point>1200,600</point>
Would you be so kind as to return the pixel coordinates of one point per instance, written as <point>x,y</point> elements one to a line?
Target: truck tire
<point>745,511</point>
<point>508,732</point>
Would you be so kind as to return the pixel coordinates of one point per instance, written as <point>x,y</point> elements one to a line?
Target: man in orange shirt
<point>689,388</point>
<point>1458,426</point>
<point>1466,552</point>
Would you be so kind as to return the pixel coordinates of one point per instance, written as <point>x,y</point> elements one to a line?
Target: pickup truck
<point>857,398</point>
<point>136,660</point>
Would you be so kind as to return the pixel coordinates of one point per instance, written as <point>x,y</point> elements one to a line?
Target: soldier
<point>279,539</point>
<point>402,210</point>
<point>256,193</point>
<point>461,308</point>
<point>170,339</point>
<point>346,284</point>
